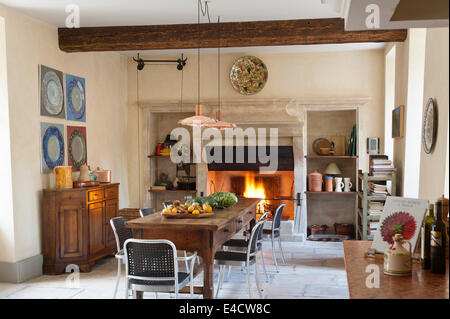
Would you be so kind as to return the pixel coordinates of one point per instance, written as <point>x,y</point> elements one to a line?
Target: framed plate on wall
<point>76,98</point>
<point>52,146</point>
<point>51,92</point>
<point>76,146</point>
<point>429,126</point>
<point>248,75</point>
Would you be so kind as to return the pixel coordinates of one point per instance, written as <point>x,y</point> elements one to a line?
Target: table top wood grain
<point>220,219</point>
<point>422,284</point>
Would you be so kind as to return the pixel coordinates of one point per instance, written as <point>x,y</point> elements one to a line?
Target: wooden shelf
<point>158,156</point>
<point>330,156</point>
<point>330,193</point>
<point>171,191</point>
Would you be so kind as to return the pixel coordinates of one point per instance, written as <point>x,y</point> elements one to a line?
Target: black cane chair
<point>121,233</point>
<point>152,266</point>
<point>146,211</point>
<point>274,233</point>
<point>241,244</point>
<point>236,258</point>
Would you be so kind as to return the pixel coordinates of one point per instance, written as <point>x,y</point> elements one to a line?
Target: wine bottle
<point>426,240</point>
<point>437,251</point>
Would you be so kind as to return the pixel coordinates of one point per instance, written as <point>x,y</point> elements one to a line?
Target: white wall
<point>30,43</point>
<point>293,75</point>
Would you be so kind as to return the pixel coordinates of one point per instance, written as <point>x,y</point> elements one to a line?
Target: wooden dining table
<point>203,235</point>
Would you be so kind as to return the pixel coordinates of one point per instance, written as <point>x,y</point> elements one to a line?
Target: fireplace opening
<point>270,187</point>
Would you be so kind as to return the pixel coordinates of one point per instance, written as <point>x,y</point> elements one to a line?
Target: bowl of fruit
<point>187,210</point>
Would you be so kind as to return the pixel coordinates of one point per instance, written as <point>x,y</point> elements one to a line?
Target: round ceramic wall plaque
<point>76,100</point>
<point>53,147</point>
<point>248,75</point>
<point>52,92</point>
<point>429,126</point>
<point>77,148</point>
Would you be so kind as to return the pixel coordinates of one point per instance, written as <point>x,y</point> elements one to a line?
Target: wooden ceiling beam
<point>233,34</point>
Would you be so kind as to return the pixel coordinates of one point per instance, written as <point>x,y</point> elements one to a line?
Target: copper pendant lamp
<point>219,124</point>
<point>198,119</point>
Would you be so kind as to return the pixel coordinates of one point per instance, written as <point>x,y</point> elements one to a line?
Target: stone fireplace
<point>287,115</point>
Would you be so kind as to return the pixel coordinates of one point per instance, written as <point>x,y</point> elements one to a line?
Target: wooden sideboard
<point>76,228</point>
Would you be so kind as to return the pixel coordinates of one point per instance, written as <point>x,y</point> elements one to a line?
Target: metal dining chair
<point>237,258</point>
<point>275,233</point>
<point>152,266</point>
<point>121,233</point>
<point>241,245</point>
<point>146,211</point>
<point>149,211</point>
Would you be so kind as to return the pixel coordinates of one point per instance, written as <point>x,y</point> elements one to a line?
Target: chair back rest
<point>256,230</point>
<point>277,218</point>
<point>150,259</point>
<point>146,211</point>
<point>121,232</point>
<point>263,217</point>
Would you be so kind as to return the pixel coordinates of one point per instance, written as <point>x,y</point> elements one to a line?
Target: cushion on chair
<point>236,243</point>
<point>269,232</point>
<point>182,277</point>
<point>231,256</point>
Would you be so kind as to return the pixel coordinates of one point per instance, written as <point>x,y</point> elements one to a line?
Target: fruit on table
<point>175,210</point>
<point>207,208</point>
<point>224,199</point>
<point>167,211</point>
<point>195,212</point>
<point>191,209</point>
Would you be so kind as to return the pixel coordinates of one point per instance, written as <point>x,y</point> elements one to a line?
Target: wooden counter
<point>421,285</point>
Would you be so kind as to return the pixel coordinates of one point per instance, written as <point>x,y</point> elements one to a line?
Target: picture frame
<point>400,215</point>
<point>398,122</point>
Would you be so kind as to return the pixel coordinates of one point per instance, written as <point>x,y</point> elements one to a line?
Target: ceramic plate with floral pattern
<point>248,75</point>
<point>429,127</point>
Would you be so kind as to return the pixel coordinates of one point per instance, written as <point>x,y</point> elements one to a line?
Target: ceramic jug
<point>84,174</point>
<point>397,259</point>
<point>315,181</point>
<point>338,184</point>
<point>328,183</point>
<point>347,184</point>
<point>63,176</point>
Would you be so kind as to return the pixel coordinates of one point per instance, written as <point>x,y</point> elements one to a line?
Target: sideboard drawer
<point>111,192</point>
<point>96,195</point>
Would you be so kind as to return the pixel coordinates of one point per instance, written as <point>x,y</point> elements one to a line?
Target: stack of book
<point>373,226</point>
<point>381,167</point>
<point>375,209</point>
<point>377,189</point>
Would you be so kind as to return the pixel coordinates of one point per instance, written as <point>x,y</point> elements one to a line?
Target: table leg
<point>208,267</point>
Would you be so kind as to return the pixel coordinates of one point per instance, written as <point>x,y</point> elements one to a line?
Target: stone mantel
<point>287,114</point>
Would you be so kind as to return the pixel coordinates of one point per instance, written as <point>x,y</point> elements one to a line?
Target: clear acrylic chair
<point>152,266</point>
<point>241,245</point>
<point>237,258</point>
<point>121,233</point>
<point>275,233</point>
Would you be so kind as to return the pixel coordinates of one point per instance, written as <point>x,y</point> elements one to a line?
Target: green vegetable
<point>223,199</point>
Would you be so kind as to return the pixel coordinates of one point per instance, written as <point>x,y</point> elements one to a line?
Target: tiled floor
<point>312,270</point>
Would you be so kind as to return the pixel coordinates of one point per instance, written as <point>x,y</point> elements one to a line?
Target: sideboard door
<point>112,208</point>
<point>96,214</point>
<point>70,230</point>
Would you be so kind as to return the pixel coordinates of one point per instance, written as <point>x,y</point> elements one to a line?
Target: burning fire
<point>255,189</point>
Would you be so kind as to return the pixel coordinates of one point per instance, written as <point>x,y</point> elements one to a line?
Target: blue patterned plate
<point>53,147</point>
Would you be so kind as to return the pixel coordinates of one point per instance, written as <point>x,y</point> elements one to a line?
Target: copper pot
<point>318,229</point>
<point>315,181</point>
<point>343,229</point>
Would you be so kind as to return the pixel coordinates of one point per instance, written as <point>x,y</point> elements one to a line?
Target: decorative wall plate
<point>52,93</point>
<point>52,146</point>
<point>77,146</point>
<point>76,98</point>
<point>429,126</point>
<point>248,75</point>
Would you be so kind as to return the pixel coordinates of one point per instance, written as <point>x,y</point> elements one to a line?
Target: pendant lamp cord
<point>181,93</point>
<point>138,134</point>
<point>218,60</point>
<point>203,12</point>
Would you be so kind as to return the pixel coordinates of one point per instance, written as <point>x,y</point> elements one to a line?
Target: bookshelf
<point>363,216</point>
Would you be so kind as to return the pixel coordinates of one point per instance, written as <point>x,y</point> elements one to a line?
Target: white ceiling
<point>149,12</point>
